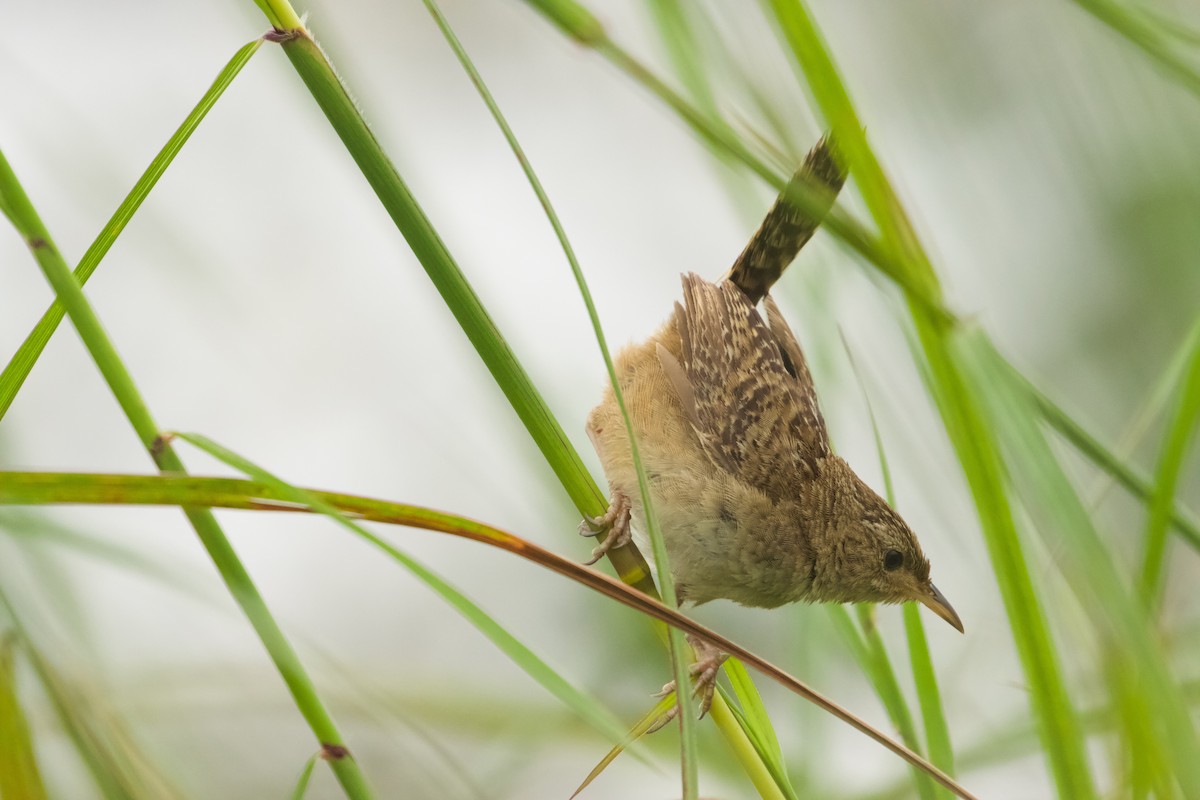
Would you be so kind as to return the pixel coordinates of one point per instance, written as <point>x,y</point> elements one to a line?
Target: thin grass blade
<point>583,704</point>
<point>32,488</point>
<point>1117,617</point>
<point>19,773</point>
<point>22,362</point>
<point>102,351</point>
<point>1180,434</point>
<point>636,732</point>
<point>679,658</point>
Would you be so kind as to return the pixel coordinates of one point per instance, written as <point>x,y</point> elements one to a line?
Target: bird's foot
<point>704,680</point>
<point>614,522</point>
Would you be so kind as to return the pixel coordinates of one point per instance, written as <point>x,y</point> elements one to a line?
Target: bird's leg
<point>709,659</point>
<point>614,522</point>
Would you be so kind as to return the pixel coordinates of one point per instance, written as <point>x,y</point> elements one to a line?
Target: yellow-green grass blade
<point>31,488</point>
<point>768,775</point>
<point>636,732</point>
<point>752,717</point>
<point>19,773</point>
<point>583,704</point>
<point>233,572</point>
<point>120,768</point>
<point>18,368</point>
<point>666,581</point>
<point>1181,432</point>
<point>301,789</point>
<point>1124,631</point>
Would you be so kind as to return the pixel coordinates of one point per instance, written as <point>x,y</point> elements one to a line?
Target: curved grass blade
<point>1144,34</point>
<point>25,218</point>
<point>580,24</point>
<point>583,704</point>
<point>1125,631</point>
<point>666,581</point>
<point>972,439</point>
<point>22,362</point>
<point>343,115</point>
<point>33,488</point>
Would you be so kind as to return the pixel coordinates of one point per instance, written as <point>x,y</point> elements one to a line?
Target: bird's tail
<point>787,227</point>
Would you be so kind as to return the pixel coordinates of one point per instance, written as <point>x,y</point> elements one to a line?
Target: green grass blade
<point>1114,611</point>
<point>1178,439</point>
<point>22,362</point>
<point>750,705</point>
<point>1062,738</point>
<point>969,434</point>
<point>1145,35</point>
<point>230,567</point>
<point>937,732</point>
<point>868,650</point>
<point>768,775</point>
<point>583,704</point>
<point>305,776</point>
<point>666,582</point>
<point>335,102</point>
<point>580,24</point>
<point>1133,480</point>
<point>19,773</point>
<point>929,696</point>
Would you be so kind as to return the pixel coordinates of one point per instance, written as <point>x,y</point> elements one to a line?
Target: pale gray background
<point>263,298</point>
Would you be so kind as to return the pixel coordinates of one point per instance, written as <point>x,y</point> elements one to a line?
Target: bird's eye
<point>892,560</point>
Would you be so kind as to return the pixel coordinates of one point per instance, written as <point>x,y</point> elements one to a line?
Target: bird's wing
<point>747,391</point>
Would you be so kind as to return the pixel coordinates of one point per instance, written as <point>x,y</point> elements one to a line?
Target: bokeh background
<point>263,298</point>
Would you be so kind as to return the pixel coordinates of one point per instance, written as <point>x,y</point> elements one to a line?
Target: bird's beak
<point>938,603</point>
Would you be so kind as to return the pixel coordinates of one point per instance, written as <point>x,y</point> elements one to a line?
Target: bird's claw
<point>704,673</point>
<point>614,522</point>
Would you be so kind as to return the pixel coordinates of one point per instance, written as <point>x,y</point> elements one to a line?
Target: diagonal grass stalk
<point>580,24</point>
<point>586,706</point>
<point>666,581</point>
<point>230,567</point>
<point>972,439</point>
<point>335,102</point>
<point>1119,620</point>
<point>31,488</point>
<point>22,362</point>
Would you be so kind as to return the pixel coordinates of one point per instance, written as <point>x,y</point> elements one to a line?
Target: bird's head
<point>869,555</point>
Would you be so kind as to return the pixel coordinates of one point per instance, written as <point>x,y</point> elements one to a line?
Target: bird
<point>753,504</point>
